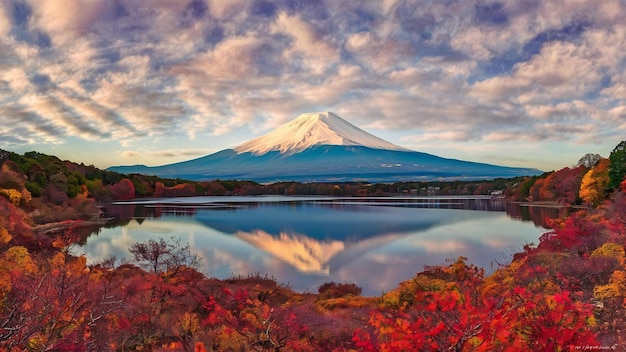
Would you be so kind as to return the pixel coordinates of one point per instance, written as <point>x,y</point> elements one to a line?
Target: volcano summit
<point>323,147</point>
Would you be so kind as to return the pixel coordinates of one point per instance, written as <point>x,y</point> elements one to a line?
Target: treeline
<point>56,181</point>
<point>591,182</point>
<point>37,175</point>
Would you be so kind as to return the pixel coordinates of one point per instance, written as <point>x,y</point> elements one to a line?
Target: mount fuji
<point>323,147</point>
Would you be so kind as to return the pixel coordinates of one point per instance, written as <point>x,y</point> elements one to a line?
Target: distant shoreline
<point>548,204</point>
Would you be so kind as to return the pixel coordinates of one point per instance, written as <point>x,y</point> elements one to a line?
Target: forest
<point>566,292</point>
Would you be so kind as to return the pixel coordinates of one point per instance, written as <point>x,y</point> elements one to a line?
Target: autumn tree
<point>593,187</point>
<point>124,189</point>
<point>577,233</point>
<point>163,256</point>
<point>159,190</point>
<point>560,186</point>
<point>50,301</point>
<point>214,189</point>
<point>98,191</point>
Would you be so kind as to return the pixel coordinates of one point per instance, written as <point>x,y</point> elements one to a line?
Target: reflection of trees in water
<point>138,211</point>
<point>537,214</point>
<point>119,211</point>
<point>523,212</point>
<point>484,204</point>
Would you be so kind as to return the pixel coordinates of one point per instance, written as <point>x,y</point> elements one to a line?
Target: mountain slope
<point>322,147</point>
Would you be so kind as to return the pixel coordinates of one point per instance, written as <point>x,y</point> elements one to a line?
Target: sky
<point>530,83</point>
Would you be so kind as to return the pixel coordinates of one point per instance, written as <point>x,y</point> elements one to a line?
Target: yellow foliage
<point>615,288</point>
<point>15,258</point>
<point>14,196</point>
<point>546,286</point>
<point>550,302</point>
<point>611,250</point>
<point>18,258</point>
<point>586,192</point>
<point>74,267</point>
<point>502,279</point>
<point>592,322</point>
<point>347,302</point>
<point>173,346</point>
<point>35,344</point>
<point>189,324</point>
<point>405,292</point>
<point>594,183</point>
<point>229,339</point>
<point>5,237</point>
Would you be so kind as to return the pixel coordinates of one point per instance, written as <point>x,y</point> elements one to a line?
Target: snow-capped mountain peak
<point>312,129</point>
<point>322,147</point>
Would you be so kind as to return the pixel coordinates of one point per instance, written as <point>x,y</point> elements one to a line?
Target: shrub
<point>336,290</point>
<point>12,195</point>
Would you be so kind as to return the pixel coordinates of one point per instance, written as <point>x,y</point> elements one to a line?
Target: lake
<point>306,241</point>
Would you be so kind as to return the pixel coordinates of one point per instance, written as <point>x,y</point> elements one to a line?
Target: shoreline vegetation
<point>565,292</point>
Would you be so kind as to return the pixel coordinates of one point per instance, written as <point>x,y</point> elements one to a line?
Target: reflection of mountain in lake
<point>311,256</point>
<point>303,253</point>
<point>317,239</point>
<point>340,222</point>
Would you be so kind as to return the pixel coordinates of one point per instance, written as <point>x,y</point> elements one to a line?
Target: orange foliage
<point>179,190</point>
<point>559,186</point>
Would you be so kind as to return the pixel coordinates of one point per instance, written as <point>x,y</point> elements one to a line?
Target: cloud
<point>165,153</point>
<point>465,71</point>
<point>226,9</point>
<point>5,22</point>
<point>308,47</point>
<point>129,154</point>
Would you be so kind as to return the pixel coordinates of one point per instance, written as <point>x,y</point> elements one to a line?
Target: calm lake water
<point>306,241</point>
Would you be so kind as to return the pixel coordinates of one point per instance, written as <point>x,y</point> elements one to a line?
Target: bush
<point>336,290</point>
<point>12,195</point>
<point>34,189</point>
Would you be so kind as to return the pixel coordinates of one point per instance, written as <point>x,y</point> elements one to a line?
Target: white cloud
<point>65,20</point>
<point>224,9</point>
<point>129,154</point>
<point>5,23</point>
<point>308,45</point>
<point>16,78</point>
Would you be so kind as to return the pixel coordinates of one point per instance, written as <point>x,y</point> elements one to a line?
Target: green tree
<point>617,170</point>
